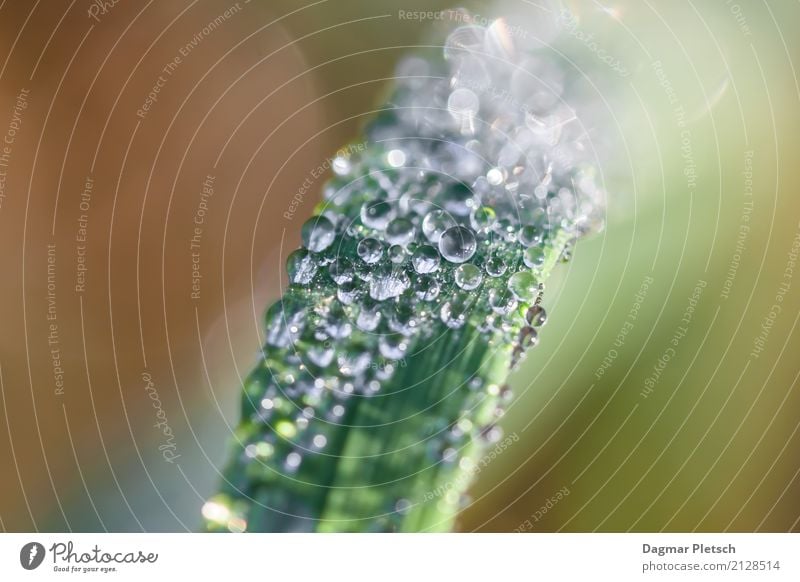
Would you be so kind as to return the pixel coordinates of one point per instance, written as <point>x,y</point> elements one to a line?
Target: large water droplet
<point>523,285</point>
<point>425,259</point>
<point>457,244</point>
<point>482,218</point>
<point>534,257</point>
<point>435,223</point>
<point>370,250</point>
<point>529,235</point>
<point>400,231</point>
<point>377,214</point>
<point>468,277</point>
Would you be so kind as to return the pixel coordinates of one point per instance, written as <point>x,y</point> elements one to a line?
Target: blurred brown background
<point>259,101</point>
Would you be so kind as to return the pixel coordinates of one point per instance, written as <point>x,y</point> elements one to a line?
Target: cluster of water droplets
<point>477,178</point>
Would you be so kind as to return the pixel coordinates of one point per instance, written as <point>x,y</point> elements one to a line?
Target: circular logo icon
<point>31,555</point>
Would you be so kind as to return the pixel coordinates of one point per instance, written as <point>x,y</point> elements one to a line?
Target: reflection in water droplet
<point>318,234</point>
<point>536,316</point>
<point>426,259</point>
<point>435,223</point>
<point>377,214</point>
<point>457,244</point>
<point>468,276</point>
<point>523,285</point>
<point>370,250</point>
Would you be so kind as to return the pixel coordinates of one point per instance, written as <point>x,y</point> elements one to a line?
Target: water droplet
<point>340,270</point>
<point>370,250</point>
<point>341,166</point>
<point>464,41</point>
<point>293,460</point>
<point>536,316</point>
<point>435,223</point>
<point>320,355</point>
<point>458,200</point>
<point>389,284</point>
<point>454,313</point>
<point>318,234</point>
<point>377,214</point>
<point>402,506</point>
<point>523,285</point>
<point>468,276</point>
<point>501,301</point>
<point>301,267</point>
<point>482,218</point>
<point>528,337</point>
<point>534,257</point>
<point>496,266</point>
<point>369,316</point>
<point>463,105</point>
<point>457,244</point>
<point>393,347</point>
<point>397,254</point>
<point>348,292</point>
<point>425,259</point>
<point>529,236</point>
<point>400,231</point>
<point>427,288</point>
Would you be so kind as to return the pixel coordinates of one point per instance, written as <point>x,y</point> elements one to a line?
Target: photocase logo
<point>31,555</point>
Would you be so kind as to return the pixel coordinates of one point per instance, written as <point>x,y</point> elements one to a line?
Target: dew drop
<point>301,267</point>
<point>528,337</point>
<point>370,250</point>
<point>377,214</point>
<point>400,231</point>
<point>425,259</point>
<point>533,257</point>
<point>348,292</point>
<point>397,254</point>
<point>293,460</point>
<point>459,200</point>
<point>320,355</point>
<point>341,166</point>
<point>495,176</point>
<point>482,218</point>
<point>496,266</point>
<point>454,313</point>
<point>468,276</point>
<point>393,347</point>
<point>318,234</point>
<point>457,244</point>
<point>368,316</point>
<point>529,235</point>
<point>427,288</point>
<point>435,223</point>
<point>501,301</point>
<point>384,286</point>
<point>523,285</point>
<point>536,316</point>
